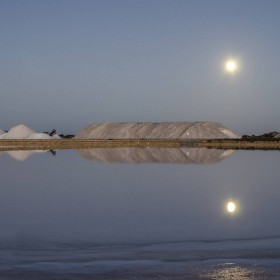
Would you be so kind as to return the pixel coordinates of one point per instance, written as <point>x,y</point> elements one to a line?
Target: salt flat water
<point>140,214</point>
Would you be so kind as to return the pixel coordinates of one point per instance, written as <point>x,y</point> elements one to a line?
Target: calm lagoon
<point>140,214</point>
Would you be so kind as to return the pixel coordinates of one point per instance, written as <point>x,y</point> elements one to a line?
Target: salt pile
<point>164,130</point>
<point>156,155</point>
<point>23,132</point>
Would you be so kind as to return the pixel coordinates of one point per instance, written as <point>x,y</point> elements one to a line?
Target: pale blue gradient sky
<point>65,64</point>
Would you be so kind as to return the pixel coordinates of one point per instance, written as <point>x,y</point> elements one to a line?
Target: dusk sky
<point>65,64</point>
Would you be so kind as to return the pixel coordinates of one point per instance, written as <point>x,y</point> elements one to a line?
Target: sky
<point>65,64</point>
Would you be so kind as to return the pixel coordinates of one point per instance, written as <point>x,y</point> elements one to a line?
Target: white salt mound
<point>39,136</point>
<point>55,136</point>
<point>23,132</point>
<point>163,130</point>
<point>18,132</point>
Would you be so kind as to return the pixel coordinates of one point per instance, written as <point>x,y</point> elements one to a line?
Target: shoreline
<point>75,144</point>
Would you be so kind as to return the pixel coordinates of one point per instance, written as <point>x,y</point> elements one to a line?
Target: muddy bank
<point>56,144</point>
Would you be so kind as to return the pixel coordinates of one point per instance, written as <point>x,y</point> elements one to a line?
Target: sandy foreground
<point>55,144</point>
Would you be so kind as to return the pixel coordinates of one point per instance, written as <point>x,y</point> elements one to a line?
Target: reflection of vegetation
<point>52,152</point>
<point>245,144</point>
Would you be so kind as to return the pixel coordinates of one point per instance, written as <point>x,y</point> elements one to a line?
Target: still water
<point>140,214</point>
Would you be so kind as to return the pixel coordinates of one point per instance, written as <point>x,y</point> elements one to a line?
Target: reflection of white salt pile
<point>23,155</point>
<point>174,130</point>
<point>156,155</point>
<point>23,132</point>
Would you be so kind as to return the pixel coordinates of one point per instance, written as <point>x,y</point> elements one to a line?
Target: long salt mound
<point>163,130</point>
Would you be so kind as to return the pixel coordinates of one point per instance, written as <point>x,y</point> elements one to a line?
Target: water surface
<point>150,213</point>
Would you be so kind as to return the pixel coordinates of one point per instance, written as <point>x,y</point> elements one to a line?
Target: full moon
<point>231,66</point>
<point>231,207</point>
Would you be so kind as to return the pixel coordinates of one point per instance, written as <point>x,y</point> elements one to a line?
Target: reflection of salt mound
<point>23,132</point>
<point>23,155</point>
<point>175,130</point>
<point>156,155</point>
